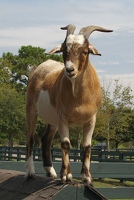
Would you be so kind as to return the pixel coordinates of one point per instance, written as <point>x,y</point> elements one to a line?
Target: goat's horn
<point>70,29</point>
<point>86,31</point>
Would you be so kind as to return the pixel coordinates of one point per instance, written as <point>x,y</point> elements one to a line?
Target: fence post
<point>9,153</point>
<point>18,154</point>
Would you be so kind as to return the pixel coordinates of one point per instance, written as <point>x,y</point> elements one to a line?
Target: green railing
<point>19,154</point>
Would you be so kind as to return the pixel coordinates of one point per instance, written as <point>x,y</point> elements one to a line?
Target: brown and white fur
<point>64,95</point>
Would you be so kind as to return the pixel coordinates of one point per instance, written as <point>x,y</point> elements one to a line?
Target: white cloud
<point>100,71</point>
<point>131,61</point>
<point>38,23</point>
<point>124,79</point>
<point>114,63</point>
<point>108,63</point>
<point>38,36</point>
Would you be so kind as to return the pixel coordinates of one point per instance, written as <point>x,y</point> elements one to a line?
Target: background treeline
<point>115,119</point>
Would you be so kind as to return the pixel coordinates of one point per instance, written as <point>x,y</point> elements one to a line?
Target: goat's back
<point>45,68</point>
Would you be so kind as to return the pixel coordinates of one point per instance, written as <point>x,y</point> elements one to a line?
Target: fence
<point>19,154</point>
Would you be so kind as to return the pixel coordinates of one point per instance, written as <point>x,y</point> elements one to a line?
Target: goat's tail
<point>30,71</point>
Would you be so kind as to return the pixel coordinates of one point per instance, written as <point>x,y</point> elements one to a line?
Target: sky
<point>37,23</point>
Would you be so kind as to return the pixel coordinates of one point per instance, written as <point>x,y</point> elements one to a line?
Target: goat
<point>64,95</point>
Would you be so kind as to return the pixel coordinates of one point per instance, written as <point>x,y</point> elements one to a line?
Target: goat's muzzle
<point>70,72</point>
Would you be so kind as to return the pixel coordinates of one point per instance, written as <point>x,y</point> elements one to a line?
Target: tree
<point>13,83</point>
<point>12,114</point>
<point>123,100</point>
<point>76,136</point>
<point>131,127</point>
<point>12,106</point>
<point>114,116</point>
<point>29,56</point>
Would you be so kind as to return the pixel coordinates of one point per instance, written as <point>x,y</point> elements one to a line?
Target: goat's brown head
<point>76,49</point>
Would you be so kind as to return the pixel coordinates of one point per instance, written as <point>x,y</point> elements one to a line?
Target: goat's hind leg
<point>46,150</point>
<point>31,122</point>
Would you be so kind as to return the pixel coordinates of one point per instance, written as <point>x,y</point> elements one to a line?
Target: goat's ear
<point>93,50</point>
<point>57,49</point>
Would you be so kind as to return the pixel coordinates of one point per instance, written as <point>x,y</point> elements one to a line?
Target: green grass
<point>107,183</point>
<point>112,183</point>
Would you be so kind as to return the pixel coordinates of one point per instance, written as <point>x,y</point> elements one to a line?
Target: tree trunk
<point>108,138</point>
<point>11,141</point>
<point>116,144</point>
<point>79,141</point>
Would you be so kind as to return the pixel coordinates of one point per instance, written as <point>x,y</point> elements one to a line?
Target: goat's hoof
<point>66,177</point>
<point>50,172</point>
<point>29,176</point>
<point>51,175</point>
<point>87,180</point>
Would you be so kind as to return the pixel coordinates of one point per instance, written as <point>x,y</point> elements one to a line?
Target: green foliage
<point>122,96</point>
<point>13,83</point>
<point>29,56</point>
<point>76,136</point>
<point>12,113</point>
<point>114,117</point>
<point>20,64</point>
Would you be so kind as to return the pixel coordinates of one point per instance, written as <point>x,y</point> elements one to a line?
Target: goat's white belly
<point>45,110</point>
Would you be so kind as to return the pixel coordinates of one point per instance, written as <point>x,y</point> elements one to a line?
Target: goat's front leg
<point>65,173</point>
<point>87,136</point>
<point>46,150</point>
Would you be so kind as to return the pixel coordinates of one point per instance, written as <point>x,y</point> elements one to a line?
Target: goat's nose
<point>69,69</point>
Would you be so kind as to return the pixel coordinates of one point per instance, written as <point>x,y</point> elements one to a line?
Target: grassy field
<point>107,183</point>
<point>112,183</point>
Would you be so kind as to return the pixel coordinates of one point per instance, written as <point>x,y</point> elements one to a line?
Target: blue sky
<point>37,23</point>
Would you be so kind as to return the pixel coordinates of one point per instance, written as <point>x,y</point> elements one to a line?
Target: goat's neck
<point>80,83</point>
<point>73,81</point>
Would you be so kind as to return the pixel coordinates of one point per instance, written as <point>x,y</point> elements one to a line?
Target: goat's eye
<point>84,53</point>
